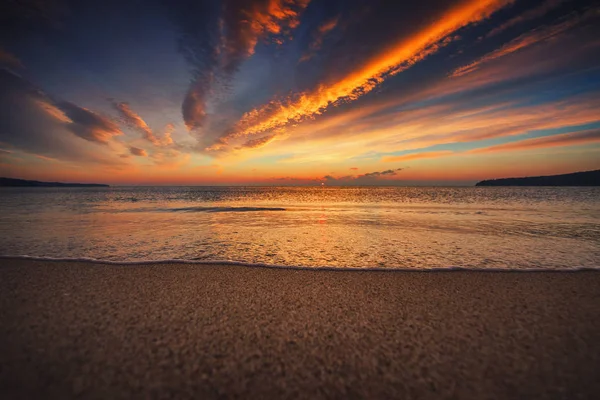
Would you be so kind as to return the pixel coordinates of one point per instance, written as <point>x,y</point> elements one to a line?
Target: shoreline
<point>93,261</point>
<point>76,329</point>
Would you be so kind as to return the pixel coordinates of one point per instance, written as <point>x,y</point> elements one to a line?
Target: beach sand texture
<point>71,329</point>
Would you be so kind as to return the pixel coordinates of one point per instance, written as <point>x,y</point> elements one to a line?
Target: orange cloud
<point>565,139</point>
<point>242,26</point>
<point>417,156</point>
<point>135,121</point>
<point>398,58</point>
<point>132,119</point>
<point>247,25</point>
<point>528,39</point>
<point>167,139</point>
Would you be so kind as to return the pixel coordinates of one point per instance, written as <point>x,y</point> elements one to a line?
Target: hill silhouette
<point>587,178</point>
<point>25,183</point>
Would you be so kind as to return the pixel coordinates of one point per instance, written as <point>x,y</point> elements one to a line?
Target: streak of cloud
<point>531,14</point>
<point>257,143</point>
<point>318,38</point>
<point>89,125</point>
<point>526,40</point>
<point>561,140</point>
<point>133,120</point>
<point>417,156</point>
<point>398,58</point>
<point>216,52</point>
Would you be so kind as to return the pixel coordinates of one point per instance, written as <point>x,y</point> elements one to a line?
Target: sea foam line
<point>292,267</point>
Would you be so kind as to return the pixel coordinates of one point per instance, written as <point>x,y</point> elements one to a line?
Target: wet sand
<point>183,331</point>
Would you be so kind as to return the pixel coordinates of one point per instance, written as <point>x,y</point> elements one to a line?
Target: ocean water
<point>374,227</point>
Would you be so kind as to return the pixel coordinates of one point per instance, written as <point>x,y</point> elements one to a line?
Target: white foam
<point>294,267</point>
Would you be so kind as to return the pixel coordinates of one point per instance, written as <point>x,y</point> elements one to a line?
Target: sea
<point>416,228</point>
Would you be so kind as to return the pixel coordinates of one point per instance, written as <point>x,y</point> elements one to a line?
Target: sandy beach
<point>195,331</point>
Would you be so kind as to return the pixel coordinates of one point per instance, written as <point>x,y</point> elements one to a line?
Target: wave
<point>205,209</point>
<point>224,209</point>
<point>292,267</point>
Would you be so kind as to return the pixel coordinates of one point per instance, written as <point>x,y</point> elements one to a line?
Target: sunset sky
<point>282,92</point>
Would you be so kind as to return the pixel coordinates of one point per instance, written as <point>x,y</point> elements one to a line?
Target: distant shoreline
<point>11,182</point>
<point>587,178</point>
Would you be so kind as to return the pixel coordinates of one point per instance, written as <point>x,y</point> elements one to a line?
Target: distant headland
<point>588,178</point>
<point>25,183</point>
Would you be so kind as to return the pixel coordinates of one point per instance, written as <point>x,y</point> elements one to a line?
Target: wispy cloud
<point>417,156</point>
<point>318,37</point>
<point>242,24</point>
<point>258,142</point>
<point>89,125</point>
<point>133,120</point>
<point>533,13</point>
<point>398,58</point>
<point>565,139</point>
<point>528,39</point>
<point>130,118</point>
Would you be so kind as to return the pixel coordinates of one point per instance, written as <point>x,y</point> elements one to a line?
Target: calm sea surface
<point>514,228</point>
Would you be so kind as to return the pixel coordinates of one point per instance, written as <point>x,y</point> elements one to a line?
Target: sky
<point>298,92</point>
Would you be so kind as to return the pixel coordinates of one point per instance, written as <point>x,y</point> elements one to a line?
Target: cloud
<point>130,118</point>
<point>388,172</point>
<point>88,125</point>
<point>528,39</point>
<point>531,14</point>
<point>167,139</point>
<point>565,139</point>
<point>246,22</point>
<point>136,151</point>
<point>318,37</point>
<point>371,178</point>
<point>417,156</point>
<point>258,142</point>
<point>354,169</point>
<point>367,77</point>
<point>133,120</point>
<point>223,38</point>
<point>32,122</point>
